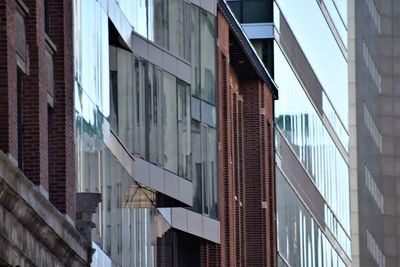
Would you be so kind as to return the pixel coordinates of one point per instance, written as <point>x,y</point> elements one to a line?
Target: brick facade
<point>8,79</point>
<point>45,149</point>
<point>246,161</point>
<point>37,183</point>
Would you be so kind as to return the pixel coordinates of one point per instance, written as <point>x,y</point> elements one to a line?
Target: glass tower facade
<point>304,43</point>
<point>145,126</point>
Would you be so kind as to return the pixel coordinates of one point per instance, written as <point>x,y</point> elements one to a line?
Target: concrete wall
<point>374,83</point>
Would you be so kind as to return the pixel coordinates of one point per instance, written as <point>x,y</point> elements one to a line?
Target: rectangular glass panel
<point>195,44</point>
<point>169,121</point>
<point>139,118</point>
<point>184,132</point>
<point>207,54</point>
<point>196,167</point>
<point>154,115</point>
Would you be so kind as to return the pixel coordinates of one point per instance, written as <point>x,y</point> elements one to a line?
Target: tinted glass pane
<point>212,171</point>
<point>196,167</point>
<point>139,133</point>
<point>169,119</point>
<point>176,26</point>
<point>158,22</point>
<point>91,50</point>
<point>305,132</point>
<point>184,119</point>
<point>256,11</point>
<point>207,50</point>
<point>195,44</point>
<point>154,115</point>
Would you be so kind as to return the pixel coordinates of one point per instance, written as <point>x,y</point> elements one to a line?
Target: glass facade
<point>129,236</point>
<point>300,240</point>
<point>203,63</point>
<point>204,169</point>
<point>165,22</point>
<point>304,130</point>
<point>321,49</point>
<point>150,112</point>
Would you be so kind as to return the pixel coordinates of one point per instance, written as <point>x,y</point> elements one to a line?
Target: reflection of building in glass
<point>304,43</point>
<point>145,127</point>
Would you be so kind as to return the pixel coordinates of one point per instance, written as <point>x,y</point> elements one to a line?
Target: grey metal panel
<point>140,46</point>
<point>179,219</point>
<point>155,55</point>
<point>299,61</point>
<point>184,70</point>
<point>211,229</point>
<point>195,223</point>
<point>186,191</point>
<point>169,63</point>
<point>157,178</point>
<point>259,30</point>
<point>296,175</point>
<point>209,5</point>
<point>196,2</point>
<point>171,184</point>
<point>141,171</point>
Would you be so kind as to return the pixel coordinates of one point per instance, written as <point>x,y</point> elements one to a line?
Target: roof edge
<point>248,47</point>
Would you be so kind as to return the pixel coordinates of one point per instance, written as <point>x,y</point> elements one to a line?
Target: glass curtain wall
<point>203,54</point>
<point>157,125</point>
<point>165,22</point>
<point>304,130</point>
<point>311,29</point>
<point>130,236</point>
<point>203,136</point>
<point>300,241</point>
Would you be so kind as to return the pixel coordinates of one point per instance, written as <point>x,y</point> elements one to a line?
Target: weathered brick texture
<point>35,156</point>
<point>47,157</point>
<point>246,165</point>
<point>62,182</point>
<point>8,79</point>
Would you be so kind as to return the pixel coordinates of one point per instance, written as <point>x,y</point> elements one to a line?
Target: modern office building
<point>246,95</point>
<point>374,104</point>
<point>37,183</point>
<point>145,128</point>
<point>304,45</point>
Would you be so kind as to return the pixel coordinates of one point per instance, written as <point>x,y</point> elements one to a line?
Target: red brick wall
<point>246,167</point>
<point>35,156</point>
<point>8,79</point>
<point>35,161</point>
<point>62,182</point>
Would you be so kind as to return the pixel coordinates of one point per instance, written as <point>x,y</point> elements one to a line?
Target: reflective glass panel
<point>321,49</point>
<point>207,55</point>
<point>91,52</point>
<point>300,241</point>
<point>169,122</point>
<point>303,128</point>
<point>184,132</point>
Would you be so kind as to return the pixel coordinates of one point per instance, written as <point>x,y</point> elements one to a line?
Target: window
<point>203,40</point>
<point>150,112</point>
<point>204,169</point>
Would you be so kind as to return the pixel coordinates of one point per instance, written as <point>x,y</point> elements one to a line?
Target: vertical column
<point>62,176</point>
<point>35,156</point>
<point>254,165</point>
<point>8,79</point>
<point>269,199</point>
